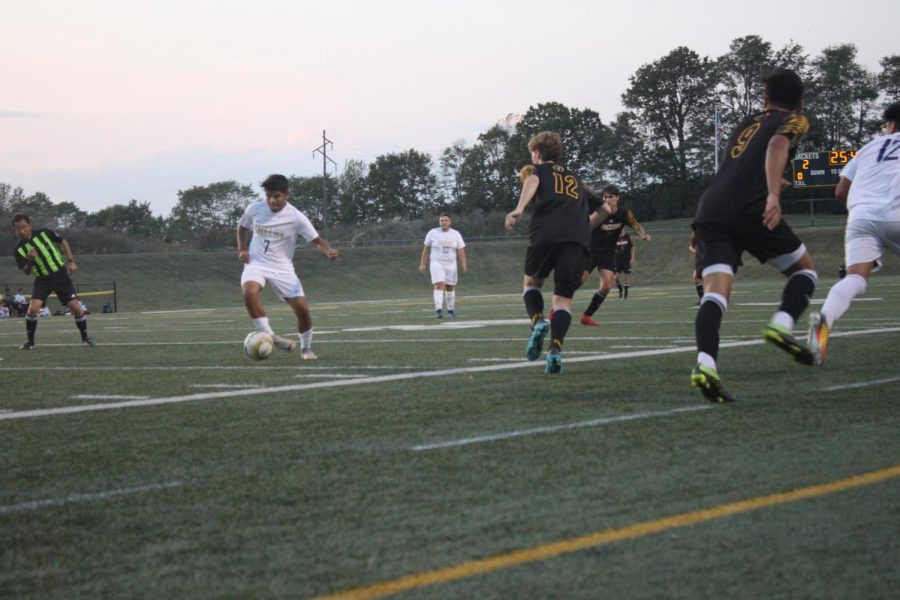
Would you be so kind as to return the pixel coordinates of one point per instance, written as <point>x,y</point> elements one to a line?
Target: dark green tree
<point>401,185</point>
<point>134,218</point>
<point>889,78</point>
<point>842,98</point>
<point>584,136</point>
<point>306,195</point>
<point>672,98</point>
<point>352,192</point>
<point>487,175</point>
<point>450,163</point>
<point>210,208</point>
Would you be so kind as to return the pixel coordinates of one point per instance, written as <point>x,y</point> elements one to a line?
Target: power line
<point>323,150</point>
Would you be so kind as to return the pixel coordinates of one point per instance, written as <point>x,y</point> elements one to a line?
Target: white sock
<point>841,295</point>
<point>438,299</point>
<point>706,360</point>
<point>305,338</point>
<point>783,319</point>
<point>451,300</point>
<point>262,324</point>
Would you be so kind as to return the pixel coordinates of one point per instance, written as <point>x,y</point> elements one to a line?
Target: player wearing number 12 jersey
<point>741,211</point>
<point>560,236</point>
<point>269,259</point>
<point>870,185</point>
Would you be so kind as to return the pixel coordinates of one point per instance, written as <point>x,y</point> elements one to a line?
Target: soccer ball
<point>258,345</point>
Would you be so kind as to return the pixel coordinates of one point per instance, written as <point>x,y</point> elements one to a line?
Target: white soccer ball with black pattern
<point>258,345</point>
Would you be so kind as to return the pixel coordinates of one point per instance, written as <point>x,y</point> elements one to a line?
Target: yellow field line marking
<point>608,536</point>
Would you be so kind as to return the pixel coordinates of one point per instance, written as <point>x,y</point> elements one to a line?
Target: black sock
<point>596,301</point>
<point>81,323</point>
<point>706,327</point>
<point>559,325</point>
<point>699,287</point>
<point>534,304</point>
<point>797,292</point>
<point>30,328</point>
<point>626,289</point>
<point>619,285</point>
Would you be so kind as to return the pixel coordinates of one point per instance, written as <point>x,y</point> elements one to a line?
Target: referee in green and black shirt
<point>38,254</point>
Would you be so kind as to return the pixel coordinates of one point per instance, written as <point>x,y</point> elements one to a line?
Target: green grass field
<point>162,463</point>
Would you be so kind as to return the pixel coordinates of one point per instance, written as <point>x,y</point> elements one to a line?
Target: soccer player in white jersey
<point>444,244</point>
<point>269,259</point>
<point>870,185</point>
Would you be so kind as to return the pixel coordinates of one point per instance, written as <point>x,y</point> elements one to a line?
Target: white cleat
<point>285,344</point>
<point>307,354</point>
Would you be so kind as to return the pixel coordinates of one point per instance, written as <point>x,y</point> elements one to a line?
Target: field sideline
<point>429,455</point>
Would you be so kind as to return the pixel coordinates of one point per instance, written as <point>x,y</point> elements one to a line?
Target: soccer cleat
<point>817,340</point>
<point>590,322</point>
<point>439,314</point>
<point>707,381</point>
<point>451,313</point>
<point>307,354</point>
<point>782,337</point>
<point>285,344</point>
<point>536,343</point>
<point>554,363</point>
<point>27,346</point>
<point>87,341</point>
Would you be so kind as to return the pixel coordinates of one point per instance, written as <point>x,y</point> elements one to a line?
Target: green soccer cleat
<point>707,381</point>
<point>817,340</point>
<point>536,343</point>
<point>783,338</point>
<point>554,363</point>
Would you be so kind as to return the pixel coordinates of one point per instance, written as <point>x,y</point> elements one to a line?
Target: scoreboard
<point>820,169</point>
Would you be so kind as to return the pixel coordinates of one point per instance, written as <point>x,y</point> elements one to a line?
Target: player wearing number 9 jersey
<point>269,259</point>
<point>741,211</point>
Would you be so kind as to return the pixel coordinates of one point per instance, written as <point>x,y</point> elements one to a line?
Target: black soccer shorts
<point>600,258</point>
<point>60,283</point>
<point>565,260</point>
<point>723,243</point>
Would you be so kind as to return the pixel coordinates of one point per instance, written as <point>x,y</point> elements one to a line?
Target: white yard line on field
<point>482,439</point>
<point>226,386</point>
<point>254,367</point>
<point>107,397</point>
<point>29,414</point>
<point>38,504</point>
<point>816,301</point>
<point>851,386</point>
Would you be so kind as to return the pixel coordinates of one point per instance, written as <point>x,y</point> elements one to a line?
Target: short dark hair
<point>784,88</point>
<point>892,113</point>
<point>611,189</point>
<point>445,214</point>
<point>21,217</point>
<point>276,183</point>
<point>548,144</point>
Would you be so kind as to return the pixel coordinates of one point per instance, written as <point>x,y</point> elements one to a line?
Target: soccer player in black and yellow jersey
<point>560,232</point>
<point>603,249</point>
<point>741,211</point>
<point>37,254</point>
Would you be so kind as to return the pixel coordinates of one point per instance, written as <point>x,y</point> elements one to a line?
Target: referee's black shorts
<point>564,259</point>
<point>723,243</point>
<point>59,283</point>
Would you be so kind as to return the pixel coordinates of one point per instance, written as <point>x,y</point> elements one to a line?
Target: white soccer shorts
<point>443,274</point>
<point>284,282</point>
<point>866,240</point>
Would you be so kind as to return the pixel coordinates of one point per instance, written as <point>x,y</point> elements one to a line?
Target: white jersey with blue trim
<point>275,233</point>
<point>875,176</point>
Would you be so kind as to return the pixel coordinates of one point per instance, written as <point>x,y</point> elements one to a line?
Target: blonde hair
<point>548,144</point>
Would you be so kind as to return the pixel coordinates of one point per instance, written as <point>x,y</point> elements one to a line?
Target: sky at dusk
<point>102,102</point>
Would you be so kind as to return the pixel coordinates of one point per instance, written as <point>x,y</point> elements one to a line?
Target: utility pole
<point>323,150</point>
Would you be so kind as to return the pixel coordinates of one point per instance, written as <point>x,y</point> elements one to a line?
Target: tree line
<point>659,149</point>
